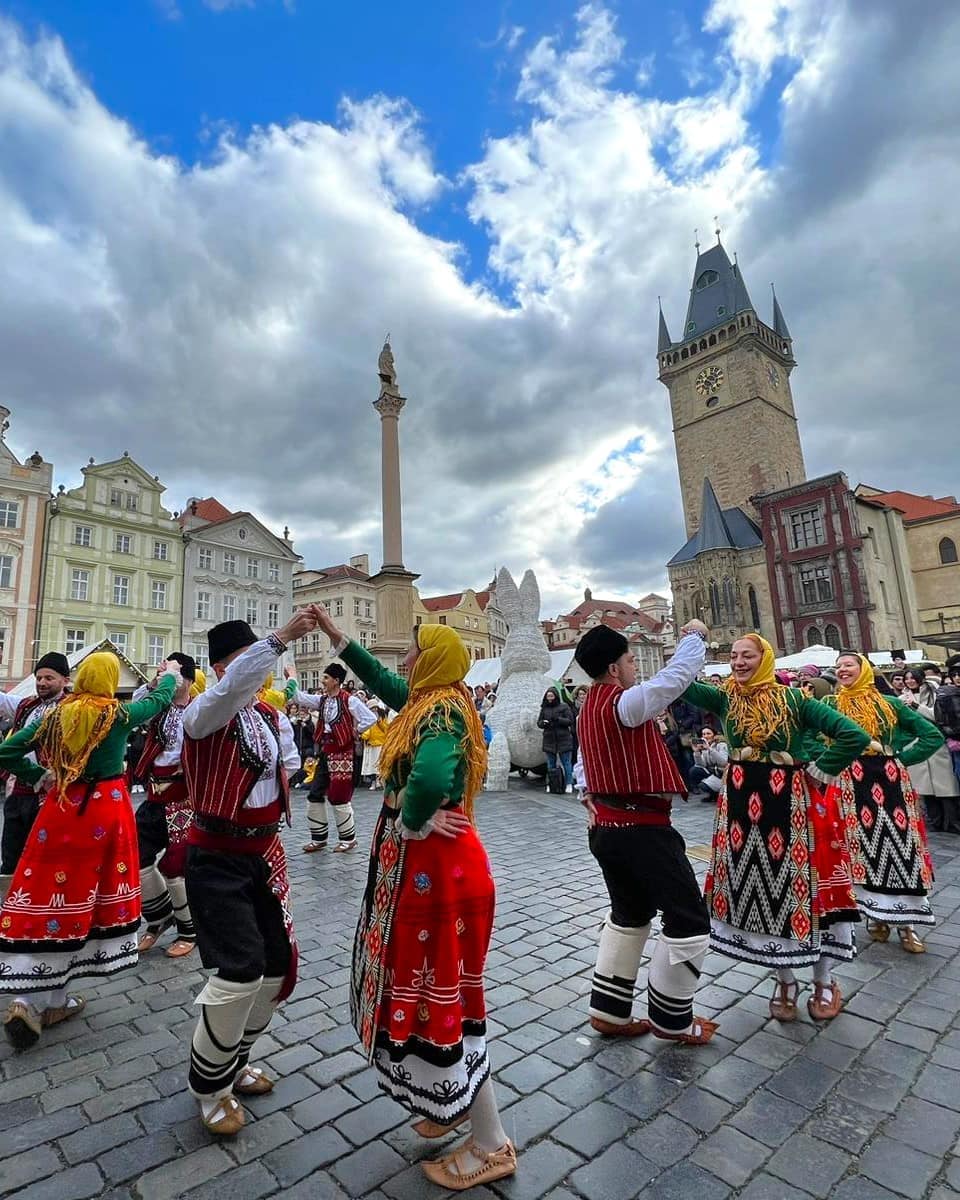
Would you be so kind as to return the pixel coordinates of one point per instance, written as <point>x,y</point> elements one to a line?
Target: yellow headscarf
<point>437,691</point>
<point>76,727</point>
<point>268,694</point>
<point>864,703</point>
<point>199,684</point>
<point>758,708</point>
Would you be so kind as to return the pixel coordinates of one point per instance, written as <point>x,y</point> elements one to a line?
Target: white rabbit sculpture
<point>524,663</point>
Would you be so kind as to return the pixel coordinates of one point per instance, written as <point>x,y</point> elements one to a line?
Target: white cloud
<point>222,320</point>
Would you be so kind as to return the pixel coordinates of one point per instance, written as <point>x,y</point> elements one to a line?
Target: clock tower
<point>729,382</point>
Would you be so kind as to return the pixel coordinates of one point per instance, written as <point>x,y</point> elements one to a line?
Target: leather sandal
<point>180,948</point>
<point>313,847</point>
<point>878,931</point>
<point>22,1024</point>
<point>454,1171</point>
<point>152,935</point>
<point>635,1028</point>
<point>910,942</point>
<point>53,1016</point>
<point>226,1119</point>
<point>821,1009</point>
<point>700,1032</point>
<point>433,1129</point>
<point>343,847</point>
<point>259,1085</point>
<point>783,1002</point>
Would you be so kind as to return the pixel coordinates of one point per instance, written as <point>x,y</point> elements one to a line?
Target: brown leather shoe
<point>910,942</point>
<point>783,1002</point>
<point>259,1086</point>
<point>53,1016</point>
<point>433,1129</point>
<point>821,1009</point>
<point>878,931</point>
<point>455,1171</point>
<point>636,1028</point>
<point>226,1119</point>
<point>22,1025</point>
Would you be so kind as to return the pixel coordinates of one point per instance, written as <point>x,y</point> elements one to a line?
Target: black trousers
<point>153,836</point>
<point>19,813</point>
<point>646,870</point>
<point>239,921</point>
<point>321,779</point>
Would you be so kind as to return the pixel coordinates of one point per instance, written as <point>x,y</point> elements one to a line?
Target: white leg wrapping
<point>177,888</point>
<point>225,1008</point>
<point>615,975</point>
<point>672,981</point>
<point>317,820</point>
<point>264,1006</point>
<point>346,825</point>
<point>154,896</point>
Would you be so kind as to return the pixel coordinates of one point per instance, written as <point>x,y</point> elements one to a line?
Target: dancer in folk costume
<point>340,717</point>
<point>163,819</point>
<point>778,833</point>
<point>427,912</point>
<point>373,739</point>
<point>74,903</point>
<point>630,782</point>
<point>236,755</point>
<point>22,801</point>
<point>892,871</point>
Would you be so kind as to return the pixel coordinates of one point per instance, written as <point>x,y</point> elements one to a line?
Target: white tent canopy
<point>130,676</point>
<point>487,670</point>
<point>819,656</point>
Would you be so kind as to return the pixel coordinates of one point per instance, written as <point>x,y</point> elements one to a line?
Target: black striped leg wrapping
<point>672,981</point>
<point>317,820</point>
<point>181,909</point>
<point>264,1006</point>
<point>225,1008</point>
<point>157,906</point>
<point>615,976</point>
<point>346,825</point>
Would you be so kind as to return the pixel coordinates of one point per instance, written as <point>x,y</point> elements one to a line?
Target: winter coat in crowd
<point>556,720</point>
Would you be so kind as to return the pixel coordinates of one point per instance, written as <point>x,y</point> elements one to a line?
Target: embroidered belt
<point>779,758</point>
<point>217,833</point>
<point>221,827</point>
<point>636,809</point>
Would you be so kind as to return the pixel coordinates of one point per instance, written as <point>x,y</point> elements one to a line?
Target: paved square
<point>867,1108</point>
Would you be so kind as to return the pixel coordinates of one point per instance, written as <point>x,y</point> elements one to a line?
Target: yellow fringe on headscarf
<point>759,708</point>
<point>437,691</point>
<point>75,728</point>
<point>863,703</point>
<point>199,684</point>
<point>268,694</point>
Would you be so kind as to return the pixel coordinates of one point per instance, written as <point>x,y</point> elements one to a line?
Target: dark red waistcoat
<point>620,761</point>
<point>340,736</point>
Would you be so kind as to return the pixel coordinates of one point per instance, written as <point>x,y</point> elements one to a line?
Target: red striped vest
<point>340,736</point>
<point>221,773</point>
<point>618,761</point>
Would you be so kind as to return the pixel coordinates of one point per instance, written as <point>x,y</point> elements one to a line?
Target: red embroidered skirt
<point>831,857</point>
<point>74,902</point>
<point>421,946</point>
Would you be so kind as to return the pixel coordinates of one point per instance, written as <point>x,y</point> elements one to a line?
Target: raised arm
<point>644,701</point>
<point>306,699</point>
<point>392,689</point>
<point>235,688</point>
<point>155,701</point>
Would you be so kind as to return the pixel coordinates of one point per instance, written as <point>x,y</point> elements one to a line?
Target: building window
<point>201,655</point>
<point>229,564</point>
<point>338,608</point>
<point>754,607</point>
<point>120,639</point>
<point>816,584</point>
<point>116,498</point>
<point>443,620</point>
<point>314,679</point>
<point>205,558</point>
<point>6,570</point>
<point>714,603</point>
<point>948,551</point>
<point>79,584</point>
<point>831,636</point>
<point>807,528</point>
<point>363,638</point>
<point>356,606</point>
<point>9,514</point>
<point>273,616</point>
<point>3,643</point>
<point>298,583</point>
<point>122,543</point>
<point>158,594</point>
<point>814,636</point>
<point>204,606</point>
<point>314,643</point>
<point>368,609</point>
<point>76,640</point>
<point>253,568</point>
<point>273,572</point>
<point>229,608</point>
<point>729,599</point>
<point>82,535</point>
<point>155,649</point>
<point>121,589</point>
<point>706,279</point>
<point>252,613</point>
<point>132,507</point>
<point>160,551</point>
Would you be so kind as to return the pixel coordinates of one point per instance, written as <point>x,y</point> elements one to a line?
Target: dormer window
<point>705,280</point>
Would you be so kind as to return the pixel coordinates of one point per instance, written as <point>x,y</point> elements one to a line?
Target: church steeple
<point>779,324</point>
<point>718,292</point>
<point>664,341</point>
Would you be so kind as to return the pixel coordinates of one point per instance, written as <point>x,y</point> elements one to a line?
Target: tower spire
<point>664,341</point>
<point>779,324</point>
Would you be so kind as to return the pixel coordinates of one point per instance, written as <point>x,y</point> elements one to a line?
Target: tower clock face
<point>773,375</point>
<point>709,379</point>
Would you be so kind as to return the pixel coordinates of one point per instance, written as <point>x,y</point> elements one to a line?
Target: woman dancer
<point>779,888</point>
<point>427,913</point>
<point>891,865</point>
<point>74,904</point>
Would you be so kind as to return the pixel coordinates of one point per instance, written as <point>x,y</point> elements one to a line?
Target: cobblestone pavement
<point>867,1108</point>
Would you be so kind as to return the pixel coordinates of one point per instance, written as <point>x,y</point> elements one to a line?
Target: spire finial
<point>696,238</point>
<point>716,222</point>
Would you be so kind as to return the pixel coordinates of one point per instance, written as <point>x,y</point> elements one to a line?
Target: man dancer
<point>22,803</point>
<point>341,717</point>
<point>163,819</point>
<point>631,780</point>
<point>236,755</point>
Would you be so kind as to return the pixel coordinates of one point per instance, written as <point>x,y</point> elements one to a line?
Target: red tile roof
<point>615,609</point>
<point>441,603</point>
<point>917,508</point>
<point>340,571</point>
<point>209,509</point>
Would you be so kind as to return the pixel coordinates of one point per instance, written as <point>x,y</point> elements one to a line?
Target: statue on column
<point>387,371</point>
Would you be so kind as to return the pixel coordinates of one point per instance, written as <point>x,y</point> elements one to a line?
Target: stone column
<point>389,407</point>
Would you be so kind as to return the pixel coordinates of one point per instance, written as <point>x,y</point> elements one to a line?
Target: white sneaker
<point>569,789</point>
